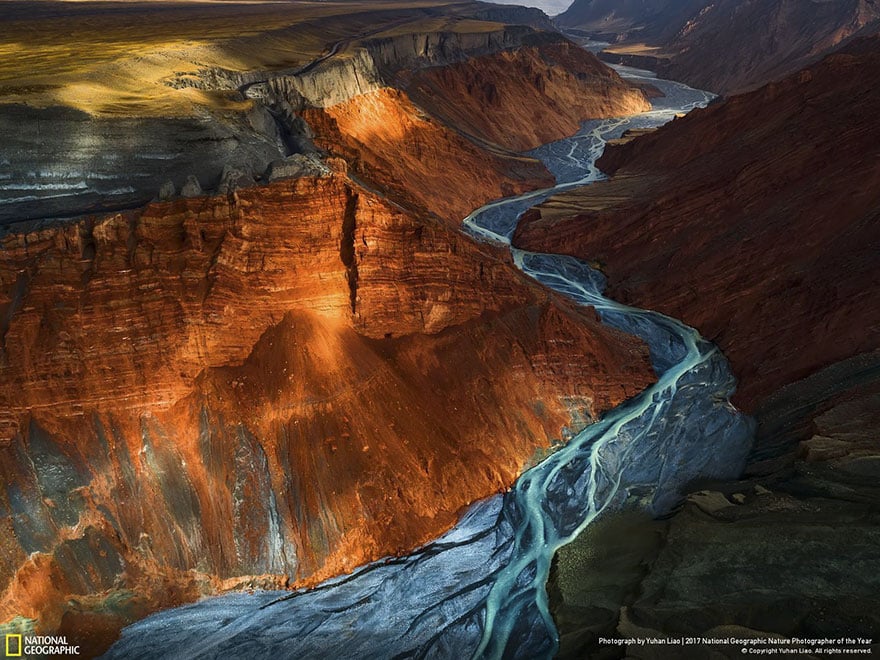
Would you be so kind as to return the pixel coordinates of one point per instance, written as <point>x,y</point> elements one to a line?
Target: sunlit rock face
<point>753,220</point>
<point>520,99</point>
<point>255,389</point>
<point>484,580</point>
<point>401,140</point>
<point>289,363</point>
<point>419,160</point>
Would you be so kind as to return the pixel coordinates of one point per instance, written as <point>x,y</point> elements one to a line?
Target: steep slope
<point>404,142</point>
<point>397,147</point>
<point>755,220</point>
<point>754,42</point>
<point>521,99</point>
<point>728,45</point>
<point>253,388</point>
<point>207,391</point>
<point>629,19</point>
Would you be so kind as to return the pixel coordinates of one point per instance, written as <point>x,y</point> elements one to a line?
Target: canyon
<point>305,345</point>
<point>755,219</point>
<point>543,76</point>
<point>223,362</point>
<point>223,388</point>
<point>479,590</point>
<point>725,46</point>
<point>704,208</point>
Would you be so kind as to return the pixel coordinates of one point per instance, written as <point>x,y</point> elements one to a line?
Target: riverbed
<point>479,590</point>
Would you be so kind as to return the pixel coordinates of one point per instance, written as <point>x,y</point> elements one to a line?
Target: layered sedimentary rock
<point>274,383</point>
<point>402,142</point>
<point>754,220</point>
<point>257,389</point>
<point>725,46</point>
<point>397,147</point>
<point>100,115</point>
<point>526,97</point>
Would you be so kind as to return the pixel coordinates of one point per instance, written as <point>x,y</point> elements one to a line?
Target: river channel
<point>479,590</point>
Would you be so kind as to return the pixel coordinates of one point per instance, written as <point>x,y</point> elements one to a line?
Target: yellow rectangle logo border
<point>9,654</point>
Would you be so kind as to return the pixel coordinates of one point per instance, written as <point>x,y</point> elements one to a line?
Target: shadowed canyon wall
<point>725,46</point>
<point>754,220</point>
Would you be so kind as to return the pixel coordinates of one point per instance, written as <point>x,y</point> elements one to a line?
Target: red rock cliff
<point>524,98</point>
<point>417,159</point>
<point>755,220</point>
<point>448,143</point>
<point>273,386</point>
<point>286,382</point>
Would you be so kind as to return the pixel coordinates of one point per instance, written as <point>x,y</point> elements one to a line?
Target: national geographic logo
<point>34,646</point>
<point>13,646</point>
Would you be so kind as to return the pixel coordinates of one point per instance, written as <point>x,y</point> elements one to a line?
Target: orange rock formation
<point>417,159</point>
<point>286,382</point>
<point>272,386</point>
<point>523,98</point>
<point>410,143</point>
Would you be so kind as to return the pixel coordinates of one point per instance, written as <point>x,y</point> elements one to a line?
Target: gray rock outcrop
<point>233,178</point>
<point>167,191</point>
<point>295,166</point>
<point>192,187</point>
